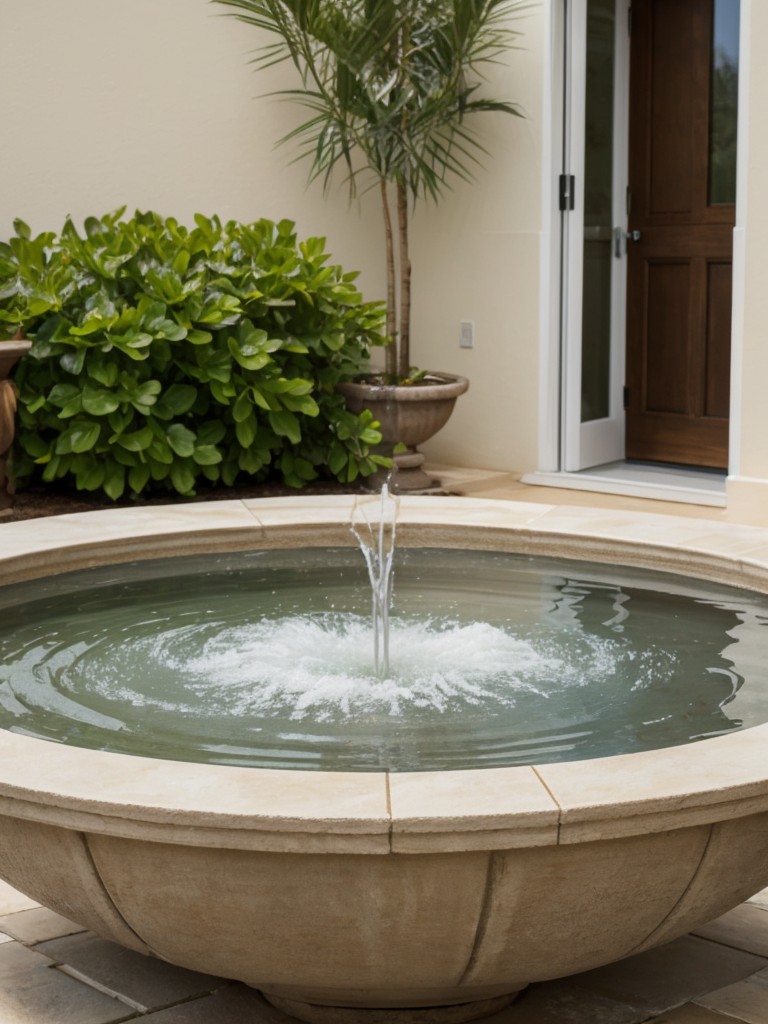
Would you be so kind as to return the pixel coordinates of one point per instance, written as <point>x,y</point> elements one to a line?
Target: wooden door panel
<point>679,270</point>
<point>664,379</point>
<point>651,441</point>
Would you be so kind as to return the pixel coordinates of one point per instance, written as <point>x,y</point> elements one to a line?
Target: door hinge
<point>626,397</point>
<point>629,20</point>
<point>567,191</point>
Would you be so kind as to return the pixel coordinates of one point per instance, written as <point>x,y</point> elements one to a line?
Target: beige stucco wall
<point>748,482</point>
<point>152,104</point>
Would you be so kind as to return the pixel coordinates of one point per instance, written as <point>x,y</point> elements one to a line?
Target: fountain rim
<point>369,812</point>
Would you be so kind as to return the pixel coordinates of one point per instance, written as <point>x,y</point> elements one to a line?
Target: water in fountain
<point>264,659</point>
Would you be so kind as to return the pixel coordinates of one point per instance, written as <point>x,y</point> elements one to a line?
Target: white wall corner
<point>747,500</point>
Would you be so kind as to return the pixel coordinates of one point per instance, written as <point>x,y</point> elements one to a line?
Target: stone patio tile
<point>671,975</point>
<point>34,992</point>
<point>231,1004</point>
<point>142,982</point>
<point>747,1000</point>
<point>692,1014</point>
<point>38,925</point>
<point>760,898</point>
<point>12,901</point>
<point>559,1002</point>
<point>5,938</point>
<point>746,928</point>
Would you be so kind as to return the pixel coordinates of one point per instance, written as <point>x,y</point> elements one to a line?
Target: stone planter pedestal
<point>408,415</point>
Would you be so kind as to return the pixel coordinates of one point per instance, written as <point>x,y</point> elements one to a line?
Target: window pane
<point>598,213</point>
<point>725,87</point>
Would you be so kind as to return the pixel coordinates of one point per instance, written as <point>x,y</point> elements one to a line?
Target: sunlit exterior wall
<point>154,105</point>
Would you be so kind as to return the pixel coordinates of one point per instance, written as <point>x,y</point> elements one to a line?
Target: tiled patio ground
<point>53,972</point>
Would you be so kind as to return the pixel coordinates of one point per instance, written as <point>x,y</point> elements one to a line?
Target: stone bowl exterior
<point>377,889</point>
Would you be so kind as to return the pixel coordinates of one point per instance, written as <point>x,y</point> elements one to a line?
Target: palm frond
<point>389,85</point>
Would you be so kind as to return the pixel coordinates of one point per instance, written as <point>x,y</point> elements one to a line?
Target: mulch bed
<point>36,502</point>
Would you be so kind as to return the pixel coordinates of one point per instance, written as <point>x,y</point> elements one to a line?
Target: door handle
<point>621,239</point>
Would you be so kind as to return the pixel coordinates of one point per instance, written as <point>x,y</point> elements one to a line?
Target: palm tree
<point>389,85</point>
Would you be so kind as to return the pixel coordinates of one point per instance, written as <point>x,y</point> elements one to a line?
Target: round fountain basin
<point>388,888</point>
<point>267,659</point>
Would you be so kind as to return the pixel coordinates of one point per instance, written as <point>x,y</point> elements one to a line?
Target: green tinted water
<point>266,659</point>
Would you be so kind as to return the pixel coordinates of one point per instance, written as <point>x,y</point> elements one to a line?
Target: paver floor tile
<point>40,924</point>
<point>760,898</point>
<point>232,1004</point>
<point>747,1000</point>
<point>558,1002</point>
<point>12,901</point>
<point>32,991</point>
<point>746,928</point>
<point>142,981</point>
<point>672,974</point>
<point>692,1014</point>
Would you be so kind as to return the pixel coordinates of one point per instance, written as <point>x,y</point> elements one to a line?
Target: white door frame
<point>554,268</point>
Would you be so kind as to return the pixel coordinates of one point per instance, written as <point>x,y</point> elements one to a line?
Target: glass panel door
<point>598,211</point>
<point>595,234</point>
<point>724,102</point>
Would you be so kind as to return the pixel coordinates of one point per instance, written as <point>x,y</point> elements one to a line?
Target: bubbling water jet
<point>377,543</point>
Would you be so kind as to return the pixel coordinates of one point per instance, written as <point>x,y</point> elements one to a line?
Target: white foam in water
<point>323,665</point>
<point>320,665</point>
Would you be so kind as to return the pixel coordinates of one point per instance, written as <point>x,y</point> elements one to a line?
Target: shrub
<point>165,357</point>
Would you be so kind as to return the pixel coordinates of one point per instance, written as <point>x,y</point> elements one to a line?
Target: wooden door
<point>681,202</point>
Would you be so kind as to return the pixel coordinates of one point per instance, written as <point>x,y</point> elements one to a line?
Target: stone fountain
<point>383,895</point>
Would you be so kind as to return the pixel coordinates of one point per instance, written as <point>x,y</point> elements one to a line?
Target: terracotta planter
<point>10,353</point>
<point>408,415</point>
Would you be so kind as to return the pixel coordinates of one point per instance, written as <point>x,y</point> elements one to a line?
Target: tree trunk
<point>404,334</point>
<point>390,353</point>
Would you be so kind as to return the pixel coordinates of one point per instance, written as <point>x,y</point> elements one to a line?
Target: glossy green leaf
<point>181,439</point>
<point>183,478</point>
<point>91,477</point>
<point>114,483</point>
<point>211,432</point>
<point>175,401</point>
<point>73,362</point>
<point>206,455</point>
<point>98,401</point>
<point>138,477</point>
<point>137,440</point>
<point>286,425</point>
<point>245,431</point>
<point>80,436</point>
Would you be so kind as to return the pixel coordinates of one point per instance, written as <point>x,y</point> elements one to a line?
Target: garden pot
<point>10,353</point>
<point>409,414</point>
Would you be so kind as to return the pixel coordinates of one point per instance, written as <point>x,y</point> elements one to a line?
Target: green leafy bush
<point>165,357</point>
